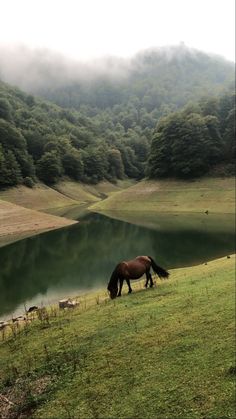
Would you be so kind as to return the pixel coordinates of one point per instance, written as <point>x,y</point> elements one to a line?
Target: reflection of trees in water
<point>84,255</point>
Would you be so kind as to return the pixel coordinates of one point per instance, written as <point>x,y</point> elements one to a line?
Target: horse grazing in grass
<point>133,269</point>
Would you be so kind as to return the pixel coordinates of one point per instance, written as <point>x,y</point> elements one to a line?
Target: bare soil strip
<point>17,222</point>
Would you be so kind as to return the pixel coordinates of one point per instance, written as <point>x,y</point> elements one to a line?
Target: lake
<point>73,260</point>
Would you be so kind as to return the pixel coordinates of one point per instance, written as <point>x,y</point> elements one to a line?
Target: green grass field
<point>166,352</point>
<point>213,194</point>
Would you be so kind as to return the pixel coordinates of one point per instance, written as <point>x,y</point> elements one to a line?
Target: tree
<point>10,173</point>
<point>49,168</point>
<point>73,165</point>
<point>95,164</point>
<point>179,148</point>
<point>5,109</point>
<point>116,167</point>
<point>229,136</point>
<point>213,140</point>
<point>11,137</point>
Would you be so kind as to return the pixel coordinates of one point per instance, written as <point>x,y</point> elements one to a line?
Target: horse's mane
<point>114,279</point>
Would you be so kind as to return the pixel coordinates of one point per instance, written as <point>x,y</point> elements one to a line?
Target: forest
<point>168,115</point>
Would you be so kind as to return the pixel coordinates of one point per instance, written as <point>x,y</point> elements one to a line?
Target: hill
<point>215,195</point>
<point>155,82</point>
<point>106,128</point>
<point>162,352</point>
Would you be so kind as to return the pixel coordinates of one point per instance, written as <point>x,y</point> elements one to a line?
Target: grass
<point>65,193</point>
<point>40,197</point>
<point>214,195</point>
<point>166,352</point>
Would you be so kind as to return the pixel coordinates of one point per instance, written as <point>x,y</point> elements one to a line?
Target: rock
<point>18,319</point>
<point>3,325</point>
<point>68,303</point>
<point>33,308</point>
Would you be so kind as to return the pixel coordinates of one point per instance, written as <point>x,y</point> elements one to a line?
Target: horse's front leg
<point>121,280</point>
<point>128,283</point>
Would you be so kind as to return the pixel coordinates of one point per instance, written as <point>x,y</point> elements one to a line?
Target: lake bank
<point>18,222</point>
<point>71,261</point>
<point>181,332</point>
<point>69,199</point>
<point>25,212</point>
<point>210,195</point>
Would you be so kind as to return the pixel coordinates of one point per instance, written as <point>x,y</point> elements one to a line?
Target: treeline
<point>41,140</point>
<point>197,140</point>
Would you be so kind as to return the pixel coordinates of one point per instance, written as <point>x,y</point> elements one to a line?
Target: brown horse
<point>133,269</point>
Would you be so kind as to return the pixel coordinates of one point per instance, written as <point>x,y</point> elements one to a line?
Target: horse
<point>133,269</point>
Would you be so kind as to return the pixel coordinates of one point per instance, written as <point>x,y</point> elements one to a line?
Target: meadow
<point>166,352</point>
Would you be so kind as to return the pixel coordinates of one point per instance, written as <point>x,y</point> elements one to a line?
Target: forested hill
<point>107,128</point>
<point>155,80</point>
<point>39,139</point>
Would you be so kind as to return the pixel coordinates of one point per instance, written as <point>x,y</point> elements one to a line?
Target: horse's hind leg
<point>128,283</point>
<point>121,280</point>
<point>148,278</point>
<point>151,280</point>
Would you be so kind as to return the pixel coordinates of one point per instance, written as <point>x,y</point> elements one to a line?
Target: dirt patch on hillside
<point>18,222</point>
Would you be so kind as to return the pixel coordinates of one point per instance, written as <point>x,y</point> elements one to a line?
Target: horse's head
<point>113,292</point>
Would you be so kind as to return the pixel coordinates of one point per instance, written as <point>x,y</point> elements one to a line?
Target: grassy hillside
<point>88,192</point>
<point>166,352</point>
<point>63,194</point>
<point>213,194</point>
<point>40,197</point>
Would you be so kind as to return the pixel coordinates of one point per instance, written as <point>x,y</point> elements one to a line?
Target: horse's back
<point>143,259</point>
<point>134,268</point>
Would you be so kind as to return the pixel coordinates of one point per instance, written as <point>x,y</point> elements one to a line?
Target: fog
<point>34,69</point>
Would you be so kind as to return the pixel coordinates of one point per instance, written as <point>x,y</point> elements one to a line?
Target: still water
<point>73,260</point>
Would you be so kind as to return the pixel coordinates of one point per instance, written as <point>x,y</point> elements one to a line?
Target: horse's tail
<point>113,280</point>
<point>161,272</point>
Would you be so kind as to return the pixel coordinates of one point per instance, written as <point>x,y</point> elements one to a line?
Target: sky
<point>88,29</point>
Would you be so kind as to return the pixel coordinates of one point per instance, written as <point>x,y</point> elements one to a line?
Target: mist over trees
<point>109,125</point>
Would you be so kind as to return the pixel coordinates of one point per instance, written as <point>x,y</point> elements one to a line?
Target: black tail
<point>162,273</point>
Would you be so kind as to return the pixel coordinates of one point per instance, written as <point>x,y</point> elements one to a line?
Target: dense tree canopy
<point>192,142</point>
<point>112,127</point>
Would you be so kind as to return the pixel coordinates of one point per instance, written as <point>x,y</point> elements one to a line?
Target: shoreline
<point>25,212</point>
<point>89,299</point>
<point>18,223</point>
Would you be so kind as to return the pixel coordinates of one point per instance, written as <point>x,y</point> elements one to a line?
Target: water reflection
<point>82,256</point>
